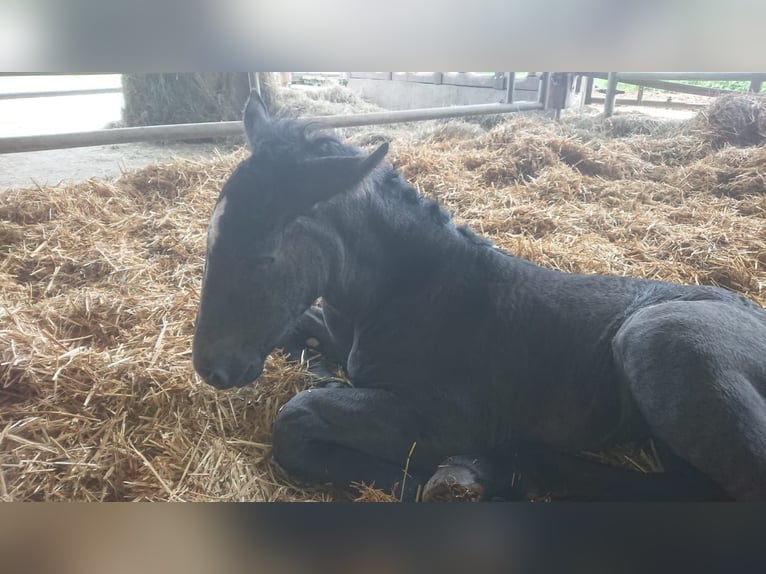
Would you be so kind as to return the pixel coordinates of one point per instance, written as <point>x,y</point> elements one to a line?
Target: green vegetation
<point>601,85</point>
<point>720,84</point>
<point>736,86</point>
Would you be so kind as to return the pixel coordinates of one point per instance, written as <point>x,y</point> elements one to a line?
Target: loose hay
<point>99,284</point>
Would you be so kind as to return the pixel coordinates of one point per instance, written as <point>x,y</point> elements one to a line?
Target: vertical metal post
<point>255,82</point>
<point>611,94</point>
<point>755,85</point>
<point>545,85</point>
<point>510,77</point>
<point>559,88</point>
<point>589,91</point>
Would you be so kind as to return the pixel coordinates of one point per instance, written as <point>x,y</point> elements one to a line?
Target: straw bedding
<point>99,284</point>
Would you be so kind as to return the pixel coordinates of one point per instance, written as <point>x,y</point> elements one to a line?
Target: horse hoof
<point>453,484</point>
<point>333,384</point>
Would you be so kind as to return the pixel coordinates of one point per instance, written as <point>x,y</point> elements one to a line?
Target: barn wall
<point>402,95</point>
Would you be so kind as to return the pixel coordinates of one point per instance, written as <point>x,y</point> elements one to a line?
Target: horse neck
<point>384,249</point>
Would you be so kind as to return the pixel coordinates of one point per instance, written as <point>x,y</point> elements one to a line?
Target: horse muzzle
<point>228,372</point>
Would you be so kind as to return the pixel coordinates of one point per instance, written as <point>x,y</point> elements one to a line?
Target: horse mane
<point>399,189</point>
<point>289,137</point>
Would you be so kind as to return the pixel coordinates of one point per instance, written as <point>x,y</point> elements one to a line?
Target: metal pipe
<point>119,136</point>
<point>393,117</point>
<point>56,93</point>
<point>589,90</point>
<point>611,94</point>
<point>543,90</point>
<point>115,136</point>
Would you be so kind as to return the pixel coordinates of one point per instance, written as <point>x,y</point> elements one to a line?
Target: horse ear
<point>329,176</point>
<point>256,115</point>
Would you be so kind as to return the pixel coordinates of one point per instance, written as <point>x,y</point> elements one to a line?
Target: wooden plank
<point>701,76</point>
<point>652,104</point>
<point>662,84</point>
<point>660,81</point>
<point>676,87</point>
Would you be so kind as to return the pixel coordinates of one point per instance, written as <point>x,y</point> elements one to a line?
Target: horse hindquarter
<point>697,370</point>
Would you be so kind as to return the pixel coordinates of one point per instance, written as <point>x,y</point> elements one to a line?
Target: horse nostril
<point>224,374</point>
<point>215,377</point>
<point>218,378</point>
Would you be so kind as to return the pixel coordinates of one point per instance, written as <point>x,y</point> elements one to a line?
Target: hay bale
<point>737,119</point>
<point>157,99</point>
<point>99,284</point>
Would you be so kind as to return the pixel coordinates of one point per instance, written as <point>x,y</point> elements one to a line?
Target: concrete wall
<point>402,95</point>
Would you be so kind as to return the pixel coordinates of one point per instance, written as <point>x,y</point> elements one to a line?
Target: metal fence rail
<point>114,136</point>
<point>57,93</point>
<point>666,81</point>
<point>82,91</point>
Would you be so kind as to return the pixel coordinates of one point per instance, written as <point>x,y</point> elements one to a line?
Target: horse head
<point>267,255</point>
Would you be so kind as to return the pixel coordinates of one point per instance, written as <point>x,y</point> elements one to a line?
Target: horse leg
<point>308,341</point>
<point>697,371</point>
<point>343,436</point>
<point>307,332</point>
<point>533,472</point>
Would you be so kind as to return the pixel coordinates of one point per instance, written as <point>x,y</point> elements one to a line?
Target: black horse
<point>457,349</point>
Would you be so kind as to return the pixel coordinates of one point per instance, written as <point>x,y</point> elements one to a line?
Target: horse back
<point>493,347</point>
